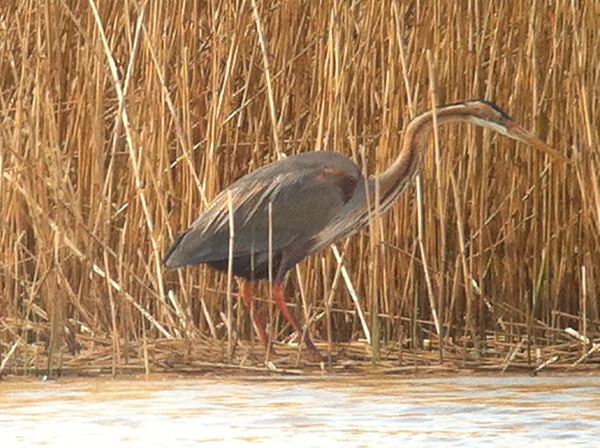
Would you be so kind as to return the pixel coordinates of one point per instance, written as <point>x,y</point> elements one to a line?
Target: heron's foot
<point>314,355</point>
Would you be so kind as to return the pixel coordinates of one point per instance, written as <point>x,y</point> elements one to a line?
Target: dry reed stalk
<point>353,294</point>
<point>440,202</point>
<point>230,278</point>
<point>268,79</point>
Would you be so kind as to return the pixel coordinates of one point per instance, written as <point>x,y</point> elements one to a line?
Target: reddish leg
<point>278,296</point>
<point>249,299</point>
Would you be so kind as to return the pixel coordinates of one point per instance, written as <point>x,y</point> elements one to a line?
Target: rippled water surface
<point>299,411</point>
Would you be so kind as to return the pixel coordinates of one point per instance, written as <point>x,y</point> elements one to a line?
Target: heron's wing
<point>274,207</point>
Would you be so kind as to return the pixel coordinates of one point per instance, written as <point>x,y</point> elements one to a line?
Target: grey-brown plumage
<point>306,192</point>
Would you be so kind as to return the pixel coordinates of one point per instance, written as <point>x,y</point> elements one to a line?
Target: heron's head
<point>490,115</point>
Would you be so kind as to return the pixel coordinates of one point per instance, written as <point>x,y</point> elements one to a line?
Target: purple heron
<point>295,206</point>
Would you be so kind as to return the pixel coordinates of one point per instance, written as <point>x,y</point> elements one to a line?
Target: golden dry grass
<point>121,119</point>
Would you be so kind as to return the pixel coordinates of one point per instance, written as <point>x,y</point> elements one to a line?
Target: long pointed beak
<point>525,136</point>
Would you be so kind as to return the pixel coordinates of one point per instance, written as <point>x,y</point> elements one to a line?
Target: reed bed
<point>122,119</point>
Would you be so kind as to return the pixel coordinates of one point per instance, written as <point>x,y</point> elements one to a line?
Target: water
<point>350,411</point>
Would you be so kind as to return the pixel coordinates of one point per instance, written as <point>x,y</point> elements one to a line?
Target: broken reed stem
<point>181,317</point>
<point>209,320</point>
<point>353,293</point>
<point>329,297</point>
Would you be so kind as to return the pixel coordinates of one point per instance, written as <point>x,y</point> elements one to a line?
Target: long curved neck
<point>393,181</point>
<point>386,187</point>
